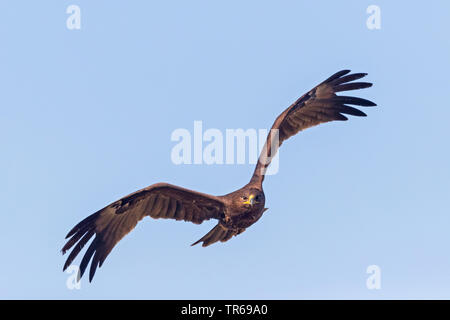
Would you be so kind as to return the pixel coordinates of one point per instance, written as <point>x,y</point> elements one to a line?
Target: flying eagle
<point>234,212</point>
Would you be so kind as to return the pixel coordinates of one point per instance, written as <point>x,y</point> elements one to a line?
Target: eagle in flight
<point>234,212</point>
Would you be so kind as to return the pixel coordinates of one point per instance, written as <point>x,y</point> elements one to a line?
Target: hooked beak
<point>251,200</point>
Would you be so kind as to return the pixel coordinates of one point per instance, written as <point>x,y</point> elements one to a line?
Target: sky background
<point>86,117</point>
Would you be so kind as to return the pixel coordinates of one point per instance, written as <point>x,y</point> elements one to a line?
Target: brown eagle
<point>235,211</point>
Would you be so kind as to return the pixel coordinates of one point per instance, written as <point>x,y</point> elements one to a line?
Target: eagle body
<point>244,215</point>
<point>234,212</point>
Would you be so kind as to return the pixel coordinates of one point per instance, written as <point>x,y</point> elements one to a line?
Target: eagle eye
<point>244,198</point>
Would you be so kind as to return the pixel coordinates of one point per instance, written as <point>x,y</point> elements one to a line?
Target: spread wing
<point>319,105</point>
<point>112,223</point>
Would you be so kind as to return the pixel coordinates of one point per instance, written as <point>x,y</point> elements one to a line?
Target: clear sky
<point>86,118</point>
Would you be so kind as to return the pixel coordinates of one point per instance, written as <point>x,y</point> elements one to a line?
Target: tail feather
<point>218,233</point>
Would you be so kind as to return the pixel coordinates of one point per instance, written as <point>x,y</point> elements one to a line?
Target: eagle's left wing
<point>319,105</point>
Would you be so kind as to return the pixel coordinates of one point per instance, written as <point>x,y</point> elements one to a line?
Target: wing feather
<point>319,105</point>
<point>112,223</point>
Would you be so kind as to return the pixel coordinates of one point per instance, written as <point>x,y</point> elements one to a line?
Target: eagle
<point>235,211</point>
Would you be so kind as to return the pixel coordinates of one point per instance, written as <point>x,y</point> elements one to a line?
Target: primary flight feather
<point>235,211</point>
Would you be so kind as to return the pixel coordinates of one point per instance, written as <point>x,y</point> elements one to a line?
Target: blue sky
<point>86,117</point>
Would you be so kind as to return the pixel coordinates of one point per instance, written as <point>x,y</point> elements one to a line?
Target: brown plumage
<point>235,211</point>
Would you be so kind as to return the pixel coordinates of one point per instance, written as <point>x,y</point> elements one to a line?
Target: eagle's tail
<point>218,233</point>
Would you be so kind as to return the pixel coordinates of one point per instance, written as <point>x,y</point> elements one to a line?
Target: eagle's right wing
<point>112,223</point>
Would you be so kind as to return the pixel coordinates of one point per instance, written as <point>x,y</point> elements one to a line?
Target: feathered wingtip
<point>78,237</point>
<point>343,81</point>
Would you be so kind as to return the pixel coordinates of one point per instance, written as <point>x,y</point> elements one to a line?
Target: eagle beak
<point>251,200</point>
